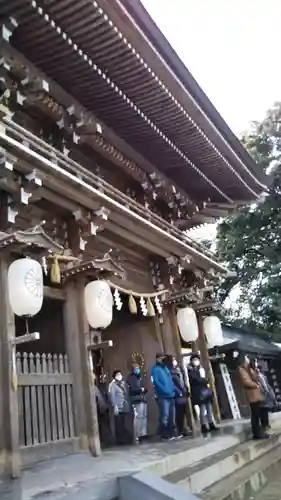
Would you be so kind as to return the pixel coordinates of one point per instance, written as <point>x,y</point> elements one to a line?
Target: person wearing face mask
<point>102,408</point>
<point>165,394</point>
<point>252,387</point>
<point>138,399</point>
<point>181,393</point>
<point>270,402</point>
<point>201,394</point>
<point>119,398</point>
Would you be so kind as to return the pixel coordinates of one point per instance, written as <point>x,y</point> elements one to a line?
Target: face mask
<point>196,362</point>
<point>137,371</point>
<point>175,363</point>
<point>119,377</point>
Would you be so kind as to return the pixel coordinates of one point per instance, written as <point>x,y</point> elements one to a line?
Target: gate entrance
<point>45,395</point>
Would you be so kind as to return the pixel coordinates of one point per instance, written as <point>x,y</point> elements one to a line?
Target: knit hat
<point>195,355</point>
<point>160,355</point>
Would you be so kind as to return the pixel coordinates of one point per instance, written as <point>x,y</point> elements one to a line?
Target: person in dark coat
<point>181,393</point>
<point>138,399</point>
<point>102,410</point>
<point>201,394</point>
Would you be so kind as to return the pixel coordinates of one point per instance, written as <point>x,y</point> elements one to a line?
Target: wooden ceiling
<point>77,45</point>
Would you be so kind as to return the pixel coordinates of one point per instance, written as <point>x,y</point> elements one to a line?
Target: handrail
<point>76,168</point>
<point>99,194</point>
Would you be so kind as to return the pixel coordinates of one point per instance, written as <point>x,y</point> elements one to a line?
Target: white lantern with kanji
<point>213,331</point>
<point>25,287</point>
<point>187,323</point>
<point>98,304</point>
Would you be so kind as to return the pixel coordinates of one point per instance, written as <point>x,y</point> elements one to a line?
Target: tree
<point>250,241</point>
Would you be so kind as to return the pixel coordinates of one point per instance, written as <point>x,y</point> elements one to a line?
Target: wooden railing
<point>45,398</point>
<point>54,155</point>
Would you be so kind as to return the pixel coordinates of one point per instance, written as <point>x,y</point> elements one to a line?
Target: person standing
<point>102,409</point>
<point>119,398</point>
<point>250,382</point>
<point>181,394</point>
<point>201,394</point>
<point>138,400</point>
<point>270,402</point>
<point>165,394</point>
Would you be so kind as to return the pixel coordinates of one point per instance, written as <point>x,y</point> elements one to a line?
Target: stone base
<point>146,486</point>
<point>82,476</point>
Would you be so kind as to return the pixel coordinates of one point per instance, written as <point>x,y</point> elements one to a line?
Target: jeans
<point>167,417</point>
<point>206,414</point>
<point>140,419</point>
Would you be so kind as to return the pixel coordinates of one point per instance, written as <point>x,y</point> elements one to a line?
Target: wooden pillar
<point>89,394</point>
<point>190,418</point>
<point>9,418</point>
<point>202,344</point>
<point>169,342</point>
<point>76,328</point>
<point>157,327</point>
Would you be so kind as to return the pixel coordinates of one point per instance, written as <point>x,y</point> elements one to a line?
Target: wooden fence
<point>45,398</point>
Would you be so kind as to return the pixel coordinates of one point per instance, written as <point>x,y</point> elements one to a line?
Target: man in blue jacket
<point>165,395</point>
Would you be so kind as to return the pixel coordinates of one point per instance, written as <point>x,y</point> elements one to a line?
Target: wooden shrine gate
<point>45,399</point>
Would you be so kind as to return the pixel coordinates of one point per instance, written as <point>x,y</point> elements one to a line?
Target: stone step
<point>97,478</point>
<point>194,451</point>
<point>246,483</point>
<point>212,469</point>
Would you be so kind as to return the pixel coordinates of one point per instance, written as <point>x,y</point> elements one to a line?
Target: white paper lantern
<point>25,287</point>
<point>213,331</point>
<point>98,304</point>
<point>187,323</point>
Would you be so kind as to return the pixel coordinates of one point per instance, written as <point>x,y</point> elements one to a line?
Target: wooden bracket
<point>8,27</point>
<point>101,345</point>
<point>90,223</point>
<point>28,337</point>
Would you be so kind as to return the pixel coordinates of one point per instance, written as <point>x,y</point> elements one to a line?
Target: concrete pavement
<point>89,478</point>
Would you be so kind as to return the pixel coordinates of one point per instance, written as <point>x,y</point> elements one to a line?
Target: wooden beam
<point>87,194</point>
<point>9,420</point>
<point>142,241</point>
<point>113,225</point>
<point>132,285</point>
<point>27,337</point>
<point>107,344</point>
<point>111,244</point>
<point>54,293</point>
<point>36,379</point>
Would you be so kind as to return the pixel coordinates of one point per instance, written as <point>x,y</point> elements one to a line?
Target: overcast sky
<point>232,48</point>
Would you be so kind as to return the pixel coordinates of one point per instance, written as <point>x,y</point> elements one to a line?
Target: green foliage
<point>250,241</point>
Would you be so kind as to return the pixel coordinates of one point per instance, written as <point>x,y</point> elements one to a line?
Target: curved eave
<point>203,105</point>
<point>81,47</point>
